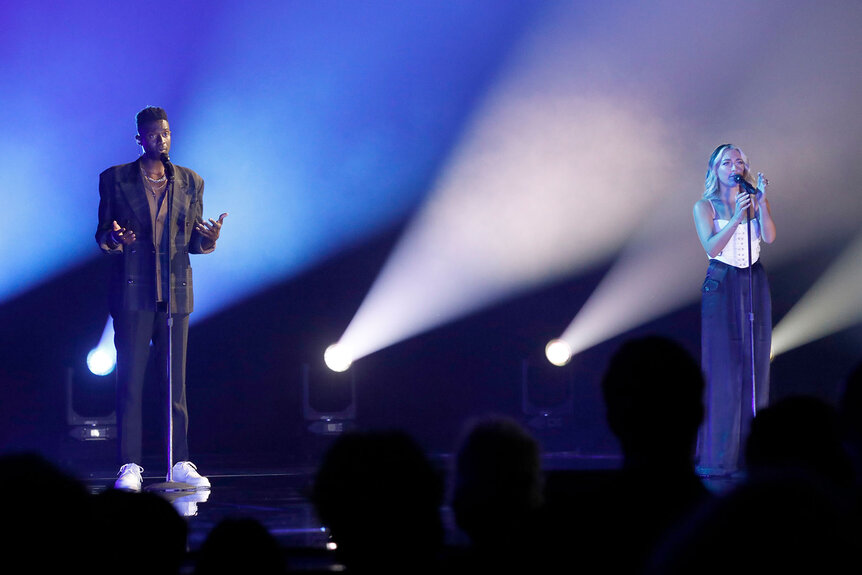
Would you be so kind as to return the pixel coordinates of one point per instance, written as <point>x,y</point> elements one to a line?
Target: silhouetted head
<point>653,395</point>
<point>779,524</point>
<point>380,497</point>
<point>498,480</point>
<point>142,525</point>
<point>799,433</point>
<point>240,545</point>
<point>47,516</point>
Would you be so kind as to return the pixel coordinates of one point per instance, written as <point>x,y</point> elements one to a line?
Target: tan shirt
<point>158,215</point>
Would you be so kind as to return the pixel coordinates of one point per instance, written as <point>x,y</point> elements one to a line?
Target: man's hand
<point>210,230</point>
<point>122,235</point>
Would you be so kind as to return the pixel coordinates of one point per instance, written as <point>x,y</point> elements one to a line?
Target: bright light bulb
<point>558,352</point>
<point>337,358</point>
<point>101,361</point>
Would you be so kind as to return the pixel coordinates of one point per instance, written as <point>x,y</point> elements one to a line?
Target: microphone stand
<point>751,312</point>
<point>170,485</point>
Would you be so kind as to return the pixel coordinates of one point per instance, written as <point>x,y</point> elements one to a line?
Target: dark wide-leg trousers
<point>133,332</point>
<point>726,362</point>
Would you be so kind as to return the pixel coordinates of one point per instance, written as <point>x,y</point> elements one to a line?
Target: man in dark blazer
<point>150,242</point>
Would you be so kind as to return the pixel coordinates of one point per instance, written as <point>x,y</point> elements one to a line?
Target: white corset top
<point>735,253</point>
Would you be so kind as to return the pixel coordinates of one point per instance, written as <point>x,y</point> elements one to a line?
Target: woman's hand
<point>762,183</point>
<point>743,203</point>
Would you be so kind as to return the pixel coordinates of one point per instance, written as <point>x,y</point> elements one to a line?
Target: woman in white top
<point>731,197</point>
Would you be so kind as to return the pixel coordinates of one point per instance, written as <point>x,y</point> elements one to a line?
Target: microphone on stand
<point>169,167</point>
<point>735,177</point>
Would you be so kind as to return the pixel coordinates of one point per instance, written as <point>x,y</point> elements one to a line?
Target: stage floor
<point>279,499</point>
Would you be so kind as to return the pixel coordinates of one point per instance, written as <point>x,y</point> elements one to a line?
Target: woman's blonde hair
<point>710,187</point>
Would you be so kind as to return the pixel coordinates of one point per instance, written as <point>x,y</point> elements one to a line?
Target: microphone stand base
<point>171,487</point>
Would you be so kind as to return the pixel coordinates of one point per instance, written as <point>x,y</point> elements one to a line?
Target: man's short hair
<point>149,115</point>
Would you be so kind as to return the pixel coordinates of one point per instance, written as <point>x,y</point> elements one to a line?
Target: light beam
<point>833,303</point>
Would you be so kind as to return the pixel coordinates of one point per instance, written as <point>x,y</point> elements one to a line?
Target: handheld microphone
<point>169,167</point>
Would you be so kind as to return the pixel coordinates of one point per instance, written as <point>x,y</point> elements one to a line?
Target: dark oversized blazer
<point>122,198</point>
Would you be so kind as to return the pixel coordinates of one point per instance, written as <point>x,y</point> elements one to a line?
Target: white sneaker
<point>129,477</point>
<point>186,472</point>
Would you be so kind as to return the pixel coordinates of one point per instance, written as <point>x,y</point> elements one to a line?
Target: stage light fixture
<point>547,393</point>
<point>328,400</point>
<point>102,359</point>
<point>558,352</point>
<point>337,358</point>
<point>87,427</point>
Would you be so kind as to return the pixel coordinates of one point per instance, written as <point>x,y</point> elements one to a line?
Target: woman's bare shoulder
<point>704,207</point>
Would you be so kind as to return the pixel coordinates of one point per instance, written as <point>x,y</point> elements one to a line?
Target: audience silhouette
<point>850,420</point>
<point>240,545</point>
<point>37,494</point>
<point>795,509</point>
<point>787,524</point>
<point>497,494</point>
<point>652,390</point>
<point>799,434</point>
<point>140,528</point>
<point>380,497</point>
